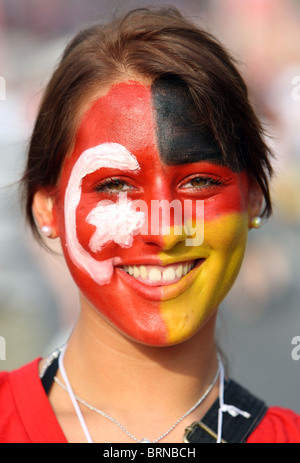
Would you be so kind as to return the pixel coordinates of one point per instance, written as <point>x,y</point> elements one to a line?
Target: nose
<point>175,235</point>
<point>164,225</point>
<point>165,240</point>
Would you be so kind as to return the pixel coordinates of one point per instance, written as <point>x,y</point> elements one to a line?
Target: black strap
<point>48,376</point>
<point>235,429</point>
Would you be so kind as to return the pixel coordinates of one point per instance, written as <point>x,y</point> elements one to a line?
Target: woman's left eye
<point>112,185</point>
<point>201,182</point>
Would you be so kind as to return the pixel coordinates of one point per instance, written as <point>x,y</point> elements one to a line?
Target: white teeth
<point>136,272</point>
<point>155,274</point>
<point>178,271</point>
<point>143,272</point>
<point>169,274</point>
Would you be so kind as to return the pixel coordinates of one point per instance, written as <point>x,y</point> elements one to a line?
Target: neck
<point>98,358</point>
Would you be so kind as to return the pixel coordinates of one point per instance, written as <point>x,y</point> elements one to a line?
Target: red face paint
<point>116,153</point>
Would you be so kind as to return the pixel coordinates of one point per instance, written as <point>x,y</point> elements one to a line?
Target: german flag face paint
<point>152,224</point>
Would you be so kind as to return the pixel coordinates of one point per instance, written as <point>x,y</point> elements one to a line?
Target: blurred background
<point>261,316</point>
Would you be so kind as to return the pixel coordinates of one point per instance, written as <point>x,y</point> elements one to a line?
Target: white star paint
<point>114,222</point>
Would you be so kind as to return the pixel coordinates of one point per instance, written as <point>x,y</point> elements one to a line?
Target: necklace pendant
<point>145,441</point>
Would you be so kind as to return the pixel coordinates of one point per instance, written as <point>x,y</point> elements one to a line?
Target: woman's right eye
<point>112,185</point>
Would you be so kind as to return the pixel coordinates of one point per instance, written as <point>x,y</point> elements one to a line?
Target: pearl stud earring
<point>256,222</point>
<point>47,231</point>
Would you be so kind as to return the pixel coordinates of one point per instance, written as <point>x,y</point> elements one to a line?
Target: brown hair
<point>152,43</point>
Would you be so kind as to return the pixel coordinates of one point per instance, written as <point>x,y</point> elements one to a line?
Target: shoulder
<point>279,425</point>
<point>26,414</point>
<point>12,381</point>
<point>11,386</point>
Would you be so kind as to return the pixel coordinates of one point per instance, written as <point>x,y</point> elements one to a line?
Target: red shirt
<point>26,415</point>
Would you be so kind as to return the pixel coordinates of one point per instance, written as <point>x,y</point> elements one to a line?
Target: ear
<point>255,201</point>
<point>43,211</point>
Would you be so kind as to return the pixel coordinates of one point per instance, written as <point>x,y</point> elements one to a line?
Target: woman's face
<point>153,241</point>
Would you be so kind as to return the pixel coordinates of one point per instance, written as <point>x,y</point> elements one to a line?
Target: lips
<point>154,275</point>
<point>165,287</point>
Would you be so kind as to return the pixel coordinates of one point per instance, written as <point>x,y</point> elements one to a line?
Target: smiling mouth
<point>160,282</point>
<point>154,275</point>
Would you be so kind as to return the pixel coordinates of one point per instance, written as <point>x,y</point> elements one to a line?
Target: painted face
<point>156,277</point>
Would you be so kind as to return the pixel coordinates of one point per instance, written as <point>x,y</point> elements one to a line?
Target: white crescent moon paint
<point>111,155</point>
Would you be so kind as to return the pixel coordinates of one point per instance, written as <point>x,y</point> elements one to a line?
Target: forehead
<point>181,134</point>
<point>152,119</point>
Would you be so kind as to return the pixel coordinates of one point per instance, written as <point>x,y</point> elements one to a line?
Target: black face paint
<point>180,136</point>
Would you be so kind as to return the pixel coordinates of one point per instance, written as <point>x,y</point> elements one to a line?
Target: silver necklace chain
<point>105,415</point>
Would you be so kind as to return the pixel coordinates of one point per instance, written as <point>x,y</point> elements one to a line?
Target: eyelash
<point>107,185</point>
<point>111,184</point>
<point>213,181</point>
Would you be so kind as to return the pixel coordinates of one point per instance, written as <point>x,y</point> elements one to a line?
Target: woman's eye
<point>112,185</point>
<point>201,182</point>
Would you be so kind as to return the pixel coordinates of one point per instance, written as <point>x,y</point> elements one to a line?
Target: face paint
<point>115,221</point>
<point>180,135</point>
<point>110,155</point>
<point>154,288</point>
<point>215,266</point>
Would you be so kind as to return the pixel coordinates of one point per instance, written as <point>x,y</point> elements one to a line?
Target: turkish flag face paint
<point>152,240</point>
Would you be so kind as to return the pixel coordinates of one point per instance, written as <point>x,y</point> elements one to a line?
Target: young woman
<point>149,164</point>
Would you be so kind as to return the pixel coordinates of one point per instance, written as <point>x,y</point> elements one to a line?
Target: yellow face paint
<point>190,302</point>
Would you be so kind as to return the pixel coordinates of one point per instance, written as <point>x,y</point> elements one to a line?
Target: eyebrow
<point>181,138</point>
<point>110,155</point>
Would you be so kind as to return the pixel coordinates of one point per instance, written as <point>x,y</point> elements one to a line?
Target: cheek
<point>223,248</point>
<point>226,232</point>
<point>84,230</point>
<point>107,225</point>
<point>225,243</point>
<point>234,198</point>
